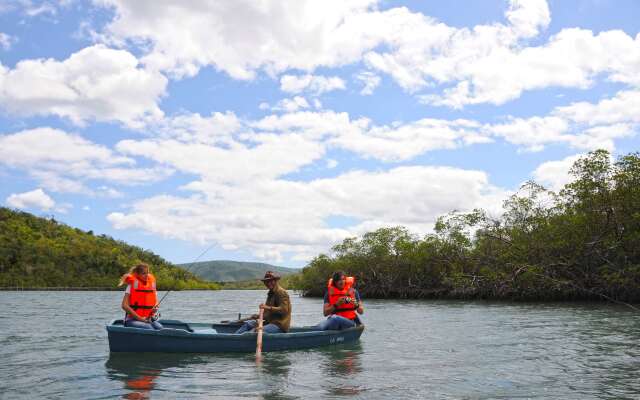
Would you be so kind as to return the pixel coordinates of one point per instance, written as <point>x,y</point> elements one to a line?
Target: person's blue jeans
<point>252,323</point>
<point>335,323</point>
<point>134,323</point>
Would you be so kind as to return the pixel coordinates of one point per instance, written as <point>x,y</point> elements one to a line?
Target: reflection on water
<point>138,372</point>
<point>342,365</point>
<point>141,386</point>
<point>342,361</point>
<point>139,375</point>
<point>335,369</point>
<point>274,369</point>
<point>277,364</point>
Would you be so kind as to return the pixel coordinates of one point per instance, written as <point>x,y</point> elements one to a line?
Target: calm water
<point>54,345</point>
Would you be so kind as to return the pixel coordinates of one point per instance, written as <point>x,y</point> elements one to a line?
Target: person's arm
<point>360,307</point>
<point>329,309</point>
<point>127,308</point>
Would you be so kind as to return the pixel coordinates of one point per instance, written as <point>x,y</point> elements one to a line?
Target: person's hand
<point>340,301</point>
<point>264,307</point>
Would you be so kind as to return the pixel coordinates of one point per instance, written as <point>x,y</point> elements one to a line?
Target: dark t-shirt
<point>326,296</point>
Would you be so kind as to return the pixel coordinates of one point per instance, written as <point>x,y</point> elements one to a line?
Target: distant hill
<point>233,271</point>
<point>40,252</point>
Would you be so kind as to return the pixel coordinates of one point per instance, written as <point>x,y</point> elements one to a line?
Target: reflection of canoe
<point>181,337</point>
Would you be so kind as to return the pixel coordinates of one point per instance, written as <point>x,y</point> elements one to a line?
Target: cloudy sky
<point>271,130</point>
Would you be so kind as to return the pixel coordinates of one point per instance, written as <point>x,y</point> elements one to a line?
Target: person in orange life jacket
<point>140,300</point>
<point>341,302</point>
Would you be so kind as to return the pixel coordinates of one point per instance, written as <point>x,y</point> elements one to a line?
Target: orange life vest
<point>143,294</point>
<point>346,310</point>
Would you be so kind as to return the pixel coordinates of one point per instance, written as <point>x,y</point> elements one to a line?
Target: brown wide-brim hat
<point>270,276</point>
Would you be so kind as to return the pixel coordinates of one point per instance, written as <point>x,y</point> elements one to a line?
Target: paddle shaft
<point>259,329</point>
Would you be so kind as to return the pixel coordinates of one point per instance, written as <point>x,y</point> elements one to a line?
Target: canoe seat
<point>206,331</point>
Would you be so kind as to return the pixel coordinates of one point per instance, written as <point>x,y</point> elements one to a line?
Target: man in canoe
<point>341,302</point>
<point>277,308</point>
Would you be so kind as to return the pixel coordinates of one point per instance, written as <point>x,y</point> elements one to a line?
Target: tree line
<point>581,243</point>
<point>288,282</point>
<point>42,252</point>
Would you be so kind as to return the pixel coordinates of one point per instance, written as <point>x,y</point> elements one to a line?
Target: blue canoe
<point>182,337</point>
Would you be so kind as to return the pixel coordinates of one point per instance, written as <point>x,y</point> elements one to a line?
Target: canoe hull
<point>179,337</point>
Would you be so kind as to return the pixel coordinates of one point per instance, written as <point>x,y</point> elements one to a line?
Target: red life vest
<point>143,294</point>
<point>346,310</point>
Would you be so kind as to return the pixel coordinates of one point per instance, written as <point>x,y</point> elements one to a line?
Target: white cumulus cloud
<point>73,163</point>
<point>6,41</point>
<point>444,65</point>
<point>239,37</point>
<point>291,105</point>
<point>369,80</point>
<point>581,125</point>
<point>275,217</point>
<point>555,174</point>
<point>310,83</point>
<point>95,83</point>
<point>34,199</point>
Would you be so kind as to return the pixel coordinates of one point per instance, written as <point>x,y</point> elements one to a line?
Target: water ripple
<point>410,349</point>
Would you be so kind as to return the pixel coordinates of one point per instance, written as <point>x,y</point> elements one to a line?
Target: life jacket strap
<point>136,307</point>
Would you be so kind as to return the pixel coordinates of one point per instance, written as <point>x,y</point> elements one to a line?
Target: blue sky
<point>270,131</point>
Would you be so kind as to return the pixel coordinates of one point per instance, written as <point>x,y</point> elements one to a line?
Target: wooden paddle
<point>259,330</point>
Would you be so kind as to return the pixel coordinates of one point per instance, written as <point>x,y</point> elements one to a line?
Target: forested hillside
<point>580,243</point>
<point>41,252</point>
<point>233,271</point>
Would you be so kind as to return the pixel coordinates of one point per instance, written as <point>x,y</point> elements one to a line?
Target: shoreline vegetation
<point>38,253</point>
<point>287,281</point>
<point>581,243</point>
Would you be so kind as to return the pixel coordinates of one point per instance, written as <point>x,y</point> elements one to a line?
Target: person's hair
<point>336,277</point>
<point>139,268</point>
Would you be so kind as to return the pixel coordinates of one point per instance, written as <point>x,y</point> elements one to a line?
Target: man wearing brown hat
<point>277,309</point>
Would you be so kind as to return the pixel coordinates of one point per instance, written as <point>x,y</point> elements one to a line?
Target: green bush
<point>41,252</point>
<point>580,243</point>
